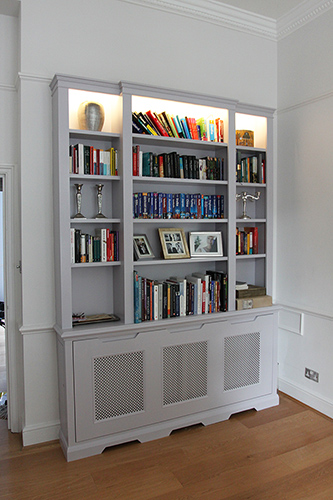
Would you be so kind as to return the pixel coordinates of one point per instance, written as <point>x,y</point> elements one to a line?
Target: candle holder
<point>99,202</point>
<point>244,197</point>
<point>78,195</point>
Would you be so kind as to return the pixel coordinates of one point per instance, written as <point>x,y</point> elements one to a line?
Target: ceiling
<point>268,8</point>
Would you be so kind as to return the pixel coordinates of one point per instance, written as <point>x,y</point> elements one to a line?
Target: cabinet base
<point>160,430</point>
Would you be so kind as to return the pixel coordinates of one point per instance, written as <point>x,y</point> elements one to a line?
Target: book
<point>250,291</point>
<point>222,278</point>
<point>157,123</point>
<point>197,293</point>
<point>82,319</point>
<point>241,285</point>
<point>205,281</point>
<point>253,302</point>
<point>102,235</point>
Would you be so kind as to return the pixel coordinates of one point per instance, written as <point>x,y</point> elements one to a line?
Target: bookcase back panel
<point>89,206</point>
<point>94,282</point>
<point>182,147</point>
<point>111,105</point>
<point>256,209</point>
<point>256,124</point>
<point>180,268</point>
<point>181,109</point>
<point>252,270</point>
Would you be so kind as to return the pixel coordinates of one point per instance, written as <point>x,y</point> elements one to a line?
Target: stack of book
<point>177,206</point>
<point>164,124</point>
<point>251,296</point>
<point>87,160</point>
<point>199,293</point>
<point>251,168</point>
<point>102,247</point>
<point>149,164</point>
<point>246,241</point>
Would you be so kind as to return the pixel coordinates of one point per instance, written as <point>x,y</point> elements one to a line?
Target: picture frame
<point>174,244</point>
<point>206,244</point>
<point>142,248</point>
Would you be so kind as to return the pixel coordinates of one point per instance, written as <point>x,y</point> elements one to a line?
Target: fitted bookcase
<point>121,381</point>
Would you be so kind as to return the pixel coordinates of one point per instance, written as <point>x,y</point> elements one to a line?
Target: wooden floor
<point>281,453</point>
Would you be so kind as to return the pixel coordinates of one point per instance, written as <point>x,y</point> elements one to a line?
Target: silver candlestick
<point>78,201</point>
<point>244,196</point>
<point>99,202</point>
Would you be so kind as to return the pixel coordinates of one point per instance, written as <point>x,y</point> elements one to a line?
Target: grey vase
<point>91,116</point>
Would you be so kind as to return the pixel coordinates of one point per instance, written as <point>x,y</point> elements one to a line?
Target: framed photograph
<point>142,248</point>
<point>173,243</point>
<point>206,244</point>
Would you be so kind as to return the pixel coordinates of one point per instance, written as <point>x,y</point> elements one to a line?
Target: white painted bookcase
<point>122,381</point>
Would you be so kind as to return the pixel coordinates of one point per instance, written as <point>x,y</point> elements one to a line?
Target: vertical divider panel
<point>232,212</point>
<point>126,147</point>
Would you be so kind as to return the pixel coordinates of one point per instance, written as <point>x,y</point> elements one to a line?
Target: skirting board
<point>297,392</point>
<point>163,429</point>
<point>40,433</point>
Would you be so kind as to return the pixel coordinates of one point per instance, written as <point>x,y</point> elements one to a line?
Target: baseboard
<point>40,433</point>
<point>162,429</point>
<point>316,402</point>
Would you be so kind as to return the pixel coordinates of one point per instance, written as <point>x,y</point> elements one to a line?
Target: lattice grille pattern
<point>119,385</point>
<point>241,361</point>
<point>184,372</point>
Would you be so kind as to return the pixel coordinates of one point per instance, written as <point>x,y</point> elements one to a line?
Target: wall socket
<point>312,375</point>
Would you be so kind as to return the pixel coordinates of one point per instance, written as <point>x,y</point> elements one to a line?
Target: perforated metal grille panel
<point>241,361</point>
<point>184,372</point>
<point>118,385</point>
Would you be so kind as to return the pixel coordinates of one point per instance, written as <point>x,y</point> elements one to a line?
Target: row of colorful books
<point>251,169</point>
<point>177,166</point>
<point>167,125</point>
<point>153,205</point>
<point>247,241</point>
<point>199,293</point>
<point>102,247</point>
<point>87,160</point>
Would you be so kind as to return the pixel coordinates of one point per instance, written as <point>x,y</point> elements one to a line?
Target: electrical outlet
<point>312,375</point>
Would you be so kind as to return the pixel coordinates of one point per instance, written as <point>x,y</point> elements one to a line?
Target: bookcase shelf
<point>96,264</point>
<point>123,380</point>
<point>171,180</point>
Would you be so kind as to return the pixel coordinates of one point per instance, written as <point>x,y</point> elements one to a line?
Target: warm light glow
<point>256,123</point>
<point>111,104</point>
<point>181,109</point>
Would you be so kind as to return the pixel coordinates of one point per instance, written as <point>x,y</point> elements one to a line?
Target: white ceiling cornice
<point>302,14</point>
<point>216,12</point>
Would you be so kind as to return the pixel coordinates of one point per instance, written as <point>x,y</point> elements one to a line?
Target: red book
<point>194,128</point>
<point>135,162</point>
<point>255,240</point>
<point>157,124</point>
<point>161,166</point>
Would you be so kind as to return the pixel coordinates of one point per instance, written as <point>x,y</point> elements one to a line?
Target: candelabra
<point>244,197</point>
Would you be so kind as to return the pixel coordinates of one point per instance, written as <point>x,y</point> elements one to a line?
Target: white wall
<point>110,40</point>
<point>9,169</point>
<point>304,209</point>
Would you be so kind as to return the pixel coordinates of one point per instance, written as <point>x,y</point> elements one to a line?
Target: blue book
<point>176,211</point>
<point>160,197</point>
<point>185,127</point>
<point>169,205</point>
<point>182,206</point>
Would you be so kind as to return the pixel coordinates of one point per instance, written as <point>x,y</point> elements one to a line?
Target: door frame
<point>12,295</point>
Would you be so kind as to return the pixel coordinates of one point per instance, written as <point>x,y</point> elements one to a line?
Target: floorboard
<point>285,452</point>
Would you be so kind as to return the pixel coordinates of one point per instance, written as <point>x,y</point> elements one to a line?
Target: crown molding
<point>216,12</point>
<point>304,13</point>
